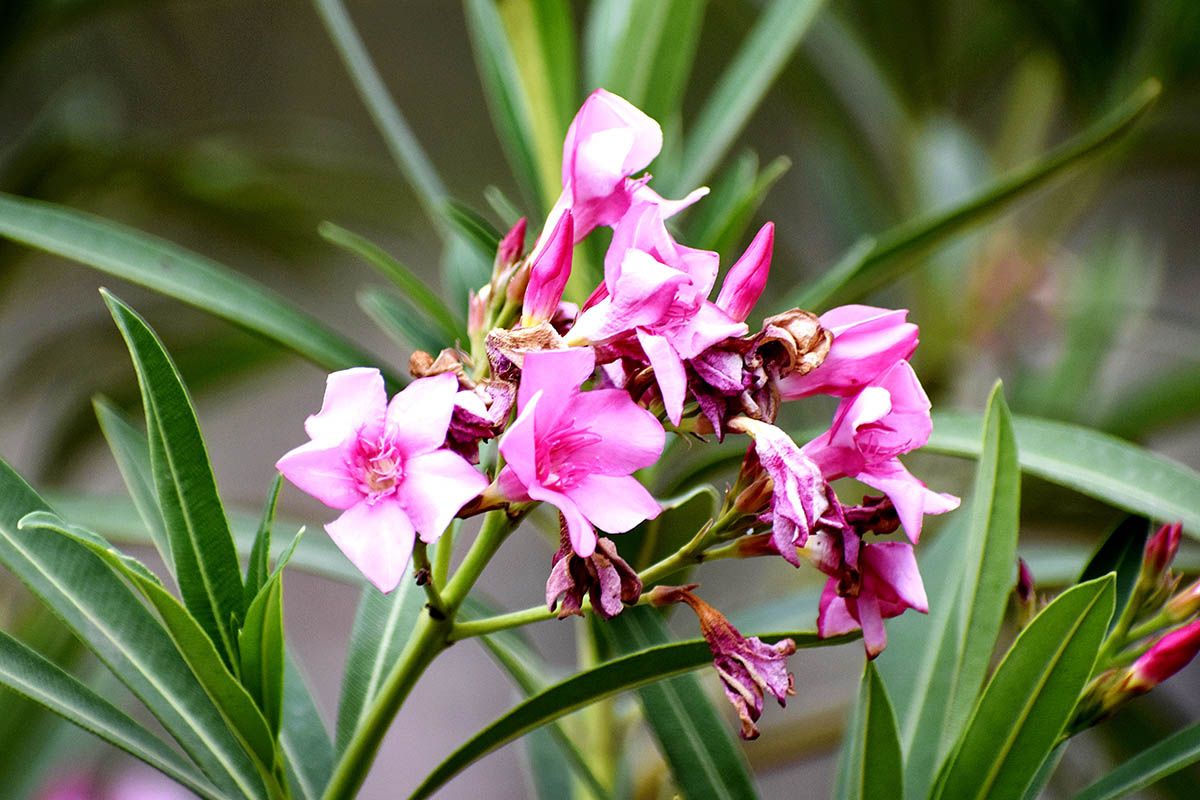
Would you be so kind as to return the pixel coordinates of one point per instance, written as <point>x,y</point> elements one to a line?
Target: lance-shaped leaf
<point>260,645</point>
<point>230,697</point>
<point>176,272</point>
<point>110,619</point>
<point>871,765</point>
<point>258,567</point>
<point>25,670</point>
<point>1176,752</point>
<point>1030,697</point>
<point>589,686</point>
<point>303,739</point>
<point>1120,552</point>
<point>206,564</point>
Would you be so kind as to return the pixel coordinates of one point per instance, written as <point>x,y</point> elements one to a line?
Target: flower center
<point>559,464</point>
<point>379,466</point>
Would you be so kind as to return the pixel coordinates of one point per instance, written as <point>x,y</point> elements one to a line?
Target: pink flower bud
<point>1159,553</point>
<point>1024,582</point>
<point>477,306</point>
<point>549,273</point>
<point>747,278</point>
<point>1185,604</point>
<point>512,245</point>
<point>1169,654</point>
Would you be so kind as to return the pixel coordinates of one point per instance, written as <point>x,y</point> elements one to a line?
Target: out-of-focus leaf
<point>1030,697</point>
<point>177,272</point>
<point>132,454</point>
<point>474,227</point>
<point>381,627</point>
<point>401,142</point>
<point>935,669</point>
<point>389,311</point>
<point>876,267</point>
<point>1093,463</point>
<point>412,288</point>
<point>871,765</point>
<point>1154,404</point>
<point>697,743</point>
<point>1120,552</point>
<point>1176,752</point>
<point>609,678</point>
<point>507,100</point>
<point>27,672</point>
<point>720,221</point>
<point>193,642</point>
<point>206,564</point>
<point>743,85</point>
<point>95,603</point>
<point>505,209</point>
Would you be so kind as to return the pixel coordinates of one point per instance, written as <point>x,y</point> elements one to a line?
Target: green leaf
<point>258,566</point>
<point>1101,466</point>
<point>206,564</point>
<point>260,645</point>
<point>743,85</point>
<point>475,228</point>
<point>176,272</point>
<point>876,266</point>
<point>26,671</point>
<point>132,454</point>
<point>303,738</point>
<point>1155,403</point>
<point>398,137</point>
<point>1030,697</point>
<point>1176,752</point>
<point>235,704</point>
<point>589,686</point>
<point>871,765</point>
<point>1120,552</point>
<point>937,679</point>
<point>507,101</point>
<point>381,627</point>
<point>101,609</point>
<point>720,222</point>
<point>423,299</point>
<point>395,318</point>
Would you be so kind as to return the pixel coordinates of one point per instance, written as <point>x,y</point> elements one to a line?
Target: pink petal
<point>548,274</point>
<point>614,503</point>
<point>632,437</point>
<point>833,618</point>
<point>708,326</point>
<point>579,530</point>
<point>435,486</point>
<point>518,446</point>
<point>353,398</point>
<point>604,111</point>
<point>668,372</point>
<point>912,499</point>
<point>420,415</point>
<point>895,566</point>
<point>866,341</point>
<point>378,539</point>
<point>642,193</point>
<point>557,375</point>
<point>745,281</point>
<point>320,470</point>
<point>866,608</point>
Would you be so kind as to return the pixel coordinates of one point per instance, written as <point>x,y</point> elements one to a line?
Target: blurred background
<point>234,129</point>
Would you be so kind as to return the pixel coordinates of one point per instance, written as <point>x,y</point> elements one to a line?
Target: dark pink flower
<point>886,418</point>
<point>576,450</point>
<point>383,464</point>
<point>866,342</point>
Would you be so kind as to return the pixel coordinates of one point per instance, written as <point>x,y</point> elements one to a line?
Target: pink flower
<point>654,293</point>
<point>866,342</point>
<point>383,464</point>
<point>888,583</point>
<point>576,450</point>
<point>746,279</point>
<point>548,274</point>
<point>888,417</point>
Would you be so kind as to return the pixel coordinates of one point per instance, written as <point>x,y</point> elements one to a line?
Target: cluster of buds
<point>580,398</point>
<point>1157,634</point>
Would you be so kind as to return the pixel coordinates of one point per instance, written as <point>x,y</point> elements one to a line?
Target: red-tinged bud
<point>1026,596</point>
<point>747,278</point>
<point>1184,605</point>
<point>548,274</point>
<point>477,307</point>
<point>511,246</point>
<point>1169,654</point>
<point>1159,553</point>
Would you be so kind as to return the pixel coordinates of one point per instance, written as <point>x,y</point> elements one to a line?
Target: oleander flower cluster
<point>579,398</point>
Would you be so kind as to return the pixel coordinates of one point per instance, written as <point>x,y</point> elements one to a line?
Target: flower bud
<point>477,307</point>
<point>1158,554</point>
<point>747,278</point>
<point>1169,654</point>
<point>1026,596</point>
<point>1184,605</point>
<point>511,246</point>
<point>548,274</point>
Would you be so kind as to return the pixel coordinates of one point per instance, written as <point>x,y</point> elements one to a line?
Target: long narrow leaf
<point>612,677</point>
<point>1030,698</point>
<point>743,85</point>
<point>877,266</point>
<point>871,765</point>
<point>168,268</point>
<point>303,739</point>
<point>1176,752</point>
<point>103,611</point>
<point>26,671</point>
<point>1119,473</point>
<point>206,564</point>
<point>395,318</point>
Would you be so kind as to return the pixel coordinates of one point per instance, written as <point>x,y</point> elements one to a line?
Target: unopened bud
<point>1184,605</point>
<point>548,274</point>
<point>477,307</point>
<point>747,278</point>
<point>511,246</point>
<point>1169,654</point>
<point>1026,596</point>
<point>1159,553</point>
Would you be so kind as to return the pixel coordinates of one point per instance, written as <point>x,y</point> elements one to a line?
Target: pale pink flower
<point>746,279</point>
<point>885,585</point>
<point>576,450</point>
<point>888,417</point>
<point>866,342</point>
<point>383,464</point>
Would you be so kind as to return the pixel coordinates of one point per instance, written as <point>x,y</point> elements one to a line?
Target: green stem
<point>496,527</point>
<point>441,555</point>
<point>421,562</point>
<point>1118,638</point>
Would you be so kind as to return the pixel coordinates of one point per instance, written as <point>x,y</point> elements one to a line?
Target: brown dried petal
<point>795,342</point>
